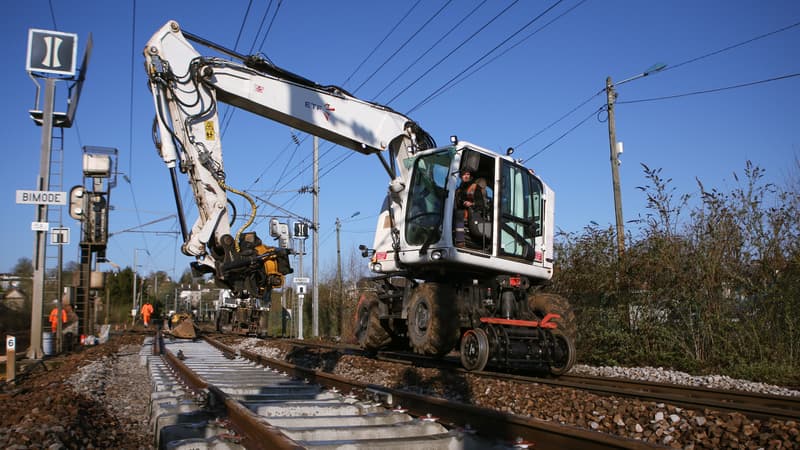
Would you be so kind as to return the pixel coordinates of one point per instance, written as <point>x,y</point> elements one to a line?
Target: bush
<point>715,287</point>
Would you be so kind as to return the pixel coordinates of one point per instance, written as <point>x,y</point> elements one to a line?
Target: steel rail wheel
<point>474,349</point>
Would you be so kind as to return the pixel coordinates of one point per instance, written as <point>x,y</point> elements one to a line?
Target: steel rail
<point>754,405</point>
<point>495,424</point>
<point>256,433</point>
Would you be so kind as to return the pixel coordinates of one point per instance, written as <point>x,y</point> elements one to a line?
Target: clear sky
<point>519,81</point>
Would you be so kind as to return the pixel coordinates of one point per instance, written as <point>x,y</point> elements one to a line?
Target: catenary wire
<point>224,117</point>
<point>227,120</point>
<point>52,14</point>
<point>269,27</point>
<point>565,133</point>
<point>731,47</point>
<point>689,61</point>
<point>485,55</point>
<point>391,30</point>
<point>441,39</point>
<point>464,42</point>
<point>709,91</point>
<point>511,47</point>
<point>402,46</point>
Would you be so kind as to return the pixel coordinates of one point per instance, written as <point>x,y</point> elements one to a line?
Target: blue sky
<point>507,102</point>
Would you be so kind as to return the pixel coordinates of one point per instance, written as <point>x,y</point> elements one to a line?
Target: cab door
<point>520,222</point>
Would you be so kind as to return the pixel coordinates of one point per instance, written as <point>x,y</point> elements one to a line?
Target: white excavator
<point>444,278</point>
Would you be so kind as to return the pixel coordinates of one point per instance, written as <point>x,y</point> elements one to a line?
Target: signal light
<point>77,202</point>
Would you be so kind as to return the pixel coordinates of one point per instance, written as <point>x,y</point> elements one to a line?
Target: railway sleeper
<point>304,414</point>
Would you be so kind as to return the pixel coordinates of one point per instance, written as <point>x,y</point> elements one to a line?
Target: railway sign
<point>40,226</point>
<point>301,280</point>
<point>59,236</point>
<point>41,197</point>
<point>11,343</point>
<point>51,52</point>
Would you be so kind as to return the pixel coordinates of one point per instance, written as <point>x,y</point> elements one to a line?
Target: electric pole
<point>339,276</point>
<point>611,96</point>
<point>315,245</point>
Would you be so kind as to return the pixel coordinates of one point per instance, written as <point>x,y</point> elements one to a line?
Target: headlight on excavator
<point>376,267</point>
<point>436,255</point>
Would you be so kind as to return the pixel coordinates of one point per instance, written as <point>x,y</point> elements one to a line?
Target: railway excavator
<point>430,291</point>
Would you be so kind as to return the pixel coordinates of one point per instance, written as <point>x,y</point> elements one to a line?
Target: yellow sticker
<point>210,131</point>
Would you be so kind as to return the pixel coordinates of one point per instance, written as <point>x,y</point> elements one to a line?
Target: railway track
<point>210,396</point>
<point>755,405</point>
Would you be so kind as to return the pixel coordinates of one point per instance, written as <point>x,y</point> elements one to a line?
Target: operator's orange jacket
<point>54,318</point>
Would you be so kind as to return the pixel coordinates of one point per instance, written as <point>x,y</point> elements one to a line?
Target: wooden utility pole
<point>340,301</point>
<point>612,143</point>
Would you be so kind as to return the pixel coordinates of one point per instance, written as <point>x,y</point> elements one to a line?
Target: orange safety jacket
<point>54,318</point>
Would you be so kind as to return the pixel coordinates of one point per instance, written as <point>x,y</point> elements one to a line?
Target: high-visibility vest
<point>54,316</point>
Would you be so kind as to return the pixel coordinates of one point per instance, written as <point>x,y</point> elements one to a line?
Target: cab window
<point>427,195</point>
<point>520,210</point>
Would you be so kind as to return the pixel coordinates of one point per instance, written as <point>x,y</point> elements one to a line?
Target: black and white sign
<point>40,226</point>
<point>41,197</point>
<point>52,52</point>
<point>11,343</point>
<point>59,236</point>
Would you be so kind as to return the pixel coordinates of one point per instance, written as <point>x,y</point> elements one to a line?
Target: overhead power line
<point>413,35</point>
<point>731,47</point>
<point>689,61</point>
<point>709,91</point>
<point>580,105</point>
<point>53,15</point>
<point>485,55</point>
<point>260,27</point>
<point>542,150</point>
<point>244,21</point>
<point>464,42</point>
<point>511,47</point>
<point>269,27</point>
<point>439,40</point>
<point>391,30</point>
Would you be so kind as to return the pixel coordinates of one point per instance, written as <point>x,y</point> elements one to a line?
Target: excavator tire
<point>542,304</point>
<point>432,320</point>
<point>369,332</point>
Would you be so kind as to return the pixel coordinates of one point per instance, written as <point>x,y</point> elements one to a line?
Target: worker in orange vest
<point>147,310</point>
<point>54,317</point>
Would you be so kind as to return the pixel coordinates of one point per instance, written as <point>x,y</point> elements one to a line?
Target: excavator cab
<point>506,230</point>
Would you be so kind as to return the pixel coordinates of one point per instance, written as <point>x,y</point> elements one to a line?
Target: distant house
<point>14,299</point>
<point>8,281</point>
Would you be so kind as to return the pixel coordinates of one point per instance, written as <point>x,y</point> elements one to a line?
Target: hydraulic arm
<point>186,89</point>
